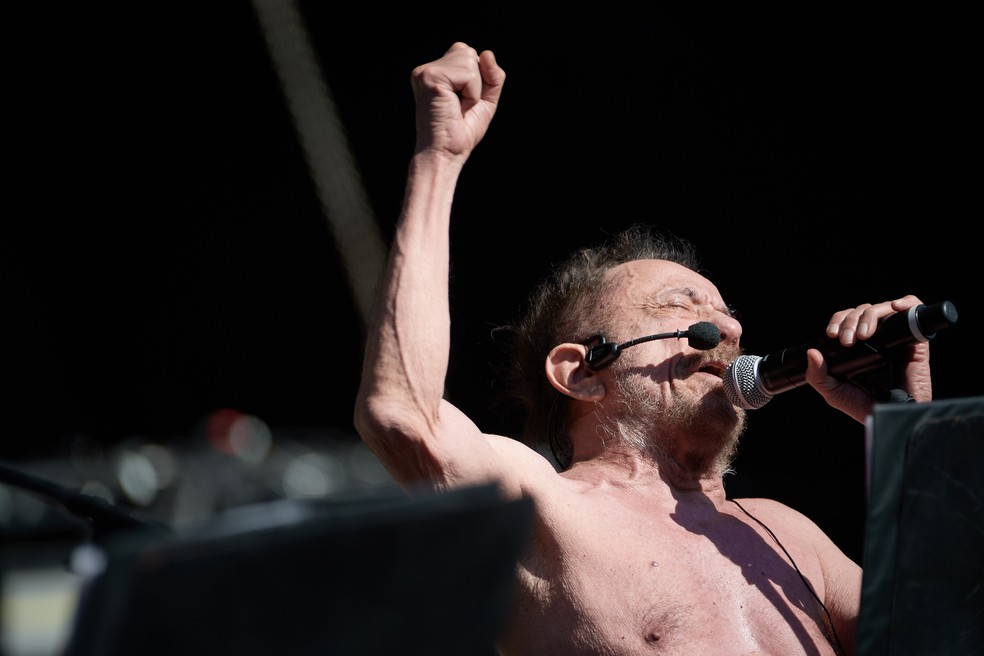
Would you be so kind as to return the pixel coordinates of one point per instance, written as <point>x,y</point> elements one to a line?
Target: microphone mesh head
<point>741,383</point>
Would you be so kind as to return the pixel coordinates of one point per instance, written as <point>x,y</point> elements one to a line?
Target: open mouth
<point>713,368</point>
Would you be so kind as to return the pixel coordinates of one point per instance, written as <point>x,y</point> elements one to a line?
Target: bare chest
<point>625,579</point>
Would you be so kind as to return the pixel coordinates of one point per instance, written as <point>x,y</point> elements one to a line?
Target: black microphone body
<point>751,381</point>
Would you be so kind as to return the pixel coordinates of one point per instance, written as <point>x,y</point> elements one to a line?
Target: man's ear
<point>569,374</point>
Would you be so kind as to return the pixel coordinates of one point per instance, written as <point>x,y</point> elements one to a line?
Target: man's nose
<point>730,329</point>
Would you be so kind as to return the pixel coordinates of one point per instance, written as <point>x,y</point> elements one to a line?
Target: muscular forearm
<point>409,339</point>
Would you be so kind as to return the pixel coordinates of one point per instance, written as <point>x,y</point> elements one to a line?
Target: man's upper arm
<point>450,451</point>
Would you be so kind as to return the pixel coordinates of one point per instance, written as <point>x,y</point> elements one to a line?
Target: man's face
<point>666,389</point>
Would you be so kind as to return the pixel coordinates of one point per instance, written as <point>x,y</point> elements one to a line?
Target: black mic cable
<point>702,336</point>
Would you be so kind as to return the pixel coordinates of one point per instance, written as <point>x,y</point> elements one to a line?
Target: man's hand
<point>860,323</point>
<point>456,97</point>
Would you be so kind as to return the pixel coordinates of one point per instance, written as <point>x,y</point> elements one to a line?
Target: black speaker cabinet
<point>923,582</point>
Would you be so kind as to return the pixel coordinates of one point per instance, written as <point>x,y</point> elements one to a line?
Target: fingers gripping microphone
<point>751,381</point>
<point>702,336</point>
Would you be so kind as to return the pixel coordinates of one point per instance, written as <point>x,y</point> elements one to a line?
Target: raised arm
<point>400,412</point>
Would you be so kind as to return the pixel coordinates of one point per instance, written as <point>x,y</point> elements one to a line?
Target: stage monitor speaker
<point>431,574</point>
<point>923,581</point>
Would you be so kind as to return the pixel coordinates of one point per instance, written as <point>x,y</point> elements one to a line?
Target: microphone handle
<point>786,369</point>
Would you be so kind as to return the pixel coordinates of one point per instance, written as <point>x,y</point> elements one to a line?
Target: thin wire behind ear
<point>559,446</point>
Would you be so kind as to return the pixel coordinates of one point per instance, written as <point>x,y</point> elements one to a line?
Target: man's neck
<point>635,471</point>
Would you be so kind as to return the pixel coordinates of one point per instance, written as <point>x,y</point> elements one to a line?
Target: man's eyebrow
<point>685,291</point>
<point>690,292</point>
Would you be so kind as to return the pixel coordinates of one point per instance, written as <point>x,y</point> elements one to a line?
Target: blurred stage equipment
<point>428,574</point>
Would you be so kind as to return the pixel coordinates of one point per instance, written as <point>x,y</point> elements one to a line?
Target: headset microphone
<point>702,336</point>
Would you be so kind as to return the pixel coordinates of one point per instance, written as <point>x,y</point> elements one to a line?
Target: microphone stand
<point>100,516</point>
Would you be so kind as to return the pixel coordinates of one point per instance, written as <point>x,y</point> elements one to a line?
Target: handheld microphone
<point>751,381</point>
<point>702,336</point>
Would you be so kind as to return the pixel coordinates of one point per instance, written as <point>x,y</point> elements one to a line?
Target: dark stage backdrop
<point>175,259</point>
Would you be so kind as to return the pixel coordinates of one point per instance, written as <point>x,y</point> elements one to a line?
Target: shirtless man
<point>635,548</point>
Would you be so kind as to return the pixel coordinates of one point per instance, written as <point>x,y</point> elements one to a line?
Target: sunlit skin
<point>661,392</point>
<point>635,547</point>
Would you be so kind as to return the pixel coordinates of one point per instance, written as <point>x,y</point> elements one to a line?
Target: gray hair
<point>570,305</point>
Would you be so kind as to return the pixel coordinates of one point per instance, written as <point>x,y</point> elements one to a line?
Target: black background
<point>176,259</point>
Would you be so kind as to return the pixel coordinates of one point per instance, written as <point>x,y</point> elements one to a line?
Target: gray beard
<point>702,437</point>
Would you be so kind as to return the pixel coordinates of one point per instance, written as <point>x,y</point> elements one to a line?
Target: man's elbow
<point>375,420</point>
<point>399,438</point>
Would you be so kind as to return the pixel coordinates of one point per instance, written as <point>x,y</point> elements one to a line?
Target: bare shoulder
<point>770,507</point>
<point>522,470</point>
<point>776,514</point>
<point>779,518</point>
